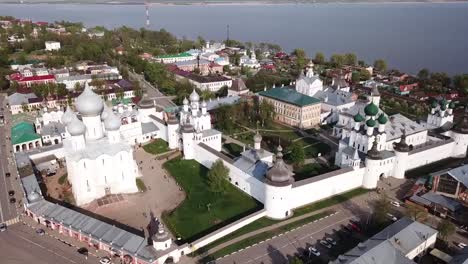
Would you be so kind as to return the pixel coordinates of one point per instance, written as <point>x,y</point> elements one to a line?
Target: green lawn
<point>202,211</point>
<point>310,170</point>
<point>157,146</point>
<point>233,149</point>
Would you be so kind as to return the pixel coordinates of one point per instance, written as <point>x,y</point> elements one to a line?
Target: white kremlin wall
<point>437,151</point>
<point>161,126</point>
<point>325,185</point>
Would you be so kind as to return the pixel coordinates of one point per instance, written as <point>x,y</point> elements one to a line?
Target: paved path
<point>153,92</point>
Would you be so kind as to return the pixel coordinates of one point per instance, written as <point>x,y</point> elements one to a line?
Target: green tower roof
<point>371,109</point>
<point>358,118</point>
<point>370,123</point>
<point>382,119</point>
<point>452,105</point>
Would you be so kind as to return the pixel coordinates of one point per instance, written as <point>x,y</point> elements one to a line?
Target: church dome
<point>358,118</point>
<point>76,127</point>
<point>434,104</point>
<point>185,102</point>
<point>105,113</point>
<point>382,119</point>
<point>371,109</point>
<point>194,97</point>
<point>443,107</point>
<point>112,122</point>
<point>371,123</point>
<point>452,105</point>
<point>203,105</point>
<point>89,103</point>
<point>279,173</point>
<point>68,116</point>
<point>257,138</point>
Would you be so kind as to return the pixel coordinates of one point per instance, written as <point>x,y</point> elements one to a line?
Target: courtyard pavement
<point>137,210</point>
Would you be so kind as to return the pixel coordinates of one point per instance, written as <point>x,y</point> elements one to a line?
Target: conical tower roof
<point>374,153</point>
<point>402,146</point>
<point>279,174</point>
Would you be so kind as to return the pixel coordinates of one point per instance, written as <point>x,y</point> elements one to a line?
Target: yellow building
<point>293,108</point>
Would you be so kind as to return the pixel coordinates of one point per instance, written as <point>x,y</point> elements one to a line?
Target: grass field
<point>203,211</point>
<point>157,146</point>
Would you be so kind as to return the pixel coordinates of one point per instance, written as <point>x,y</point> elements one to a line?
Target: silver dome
<point>89,103</point>
<point>112,122</point>
<point>68,116</point>
<point>76,127</point>
<point>194,97</point>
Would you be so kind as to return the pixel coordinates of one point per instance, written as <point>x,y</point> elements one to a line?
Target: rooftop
<point>180,55</point>
<point>290,96</point>
<point>23,132</point>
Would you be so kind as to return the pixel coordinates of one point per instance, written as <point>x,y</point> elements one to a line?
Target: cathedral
<point>99,161</point>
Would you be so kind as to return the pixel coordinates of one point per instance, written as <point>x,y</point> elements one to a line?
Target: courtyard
<point>138,210</point>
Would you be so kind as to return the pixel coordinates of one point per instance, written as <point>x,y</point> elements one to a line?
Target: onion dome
<point>257,138</point>
<point>434,104</point>
<point>68,116</point>
<point>203,104</point>
<point>105,112</point>
<point>161,235</point>
<point>443,107</point>
<point>358,118</point>
<point>112,122</point>
<point>185,102</point>
<point>382,119</point>
<point>452,105</point>
<point>76,127</point>
<point>443,102</point>
<point>371,109</point>
<point>371,123</point>
<point>374,153</point>
<point>279,174</point>
<point>194,97</point>
<point>89,103</point>
<point>402,146</point>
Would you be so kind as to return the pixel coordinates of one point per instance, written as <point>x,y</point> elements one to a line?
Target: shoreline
<point>246,3</point>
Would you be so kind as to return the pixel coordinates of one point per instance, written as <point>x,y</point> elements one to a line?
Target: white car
<point>330,241</point>
<point>396,204</point>
<point>314,251</point>
<point>392,217</point>
<point>461,245</point>
<point>105,260</point>
<point>3,227</point>
<point>325,244</point>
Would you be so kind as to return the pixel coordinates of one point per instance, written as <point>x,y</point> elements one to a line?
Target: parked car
<point>461,245</point>
<point>12,200</point>
<point>40,231</point>
<point>3,227</point>
<point>105,260</point>
<point>325,244</point>
<point>355,227</point>
<point>394,203</point>
<point>313,251</point>
<point>11,193</point>
<point>83,251</point>
<point>392,217</point>
<point>330,240</point>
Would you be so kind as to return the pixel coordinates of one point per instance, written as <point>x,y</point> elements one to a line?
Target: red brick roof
<point>37,78</point>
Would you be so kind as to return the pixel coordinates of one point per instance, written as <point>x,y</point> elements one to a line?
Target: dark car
<point>7,174</point>
<point>12,200</point>
<point>11,193</point>
<point>83,251</point>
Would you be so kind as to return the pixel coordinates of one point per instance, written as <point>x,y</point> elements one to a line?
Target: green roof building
<point>293,108</point>
<point>172,58</point>
<point>24,137</point>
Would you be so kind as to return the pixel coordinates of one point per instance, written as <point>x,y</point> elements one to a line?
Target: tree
<point>266,112</point>
<point>415,212</point>
<point>423,74</point>
<point>337,60</point>
<point>301,58</point>
<point>445,228</point>
<point>350,59</point>
<point>297,154</point>
<point>461,82</point>
<point>381,209</point>
<point>365,75</point>
<point>296,260</point>
<point>218,177</point>
<point>319,58</point>
<point>380,65</point>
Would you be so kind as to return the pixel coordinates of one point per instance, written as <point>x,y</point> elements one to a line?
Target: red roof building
<point>29,81</point>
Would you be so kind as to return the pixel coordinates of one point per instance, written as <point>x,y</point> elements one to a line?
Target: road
<point>153,92</point>
<point>8,211</point>
<point>20,244</point>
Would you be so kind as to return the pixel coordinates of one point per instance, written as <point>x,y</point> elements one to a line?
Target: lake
<point>409,36</point>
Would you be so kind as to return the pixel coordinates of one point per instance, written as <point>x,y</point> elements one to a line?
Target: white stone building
<point>52,45</point>
<point>99,161</point>
<point>250,62</point>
